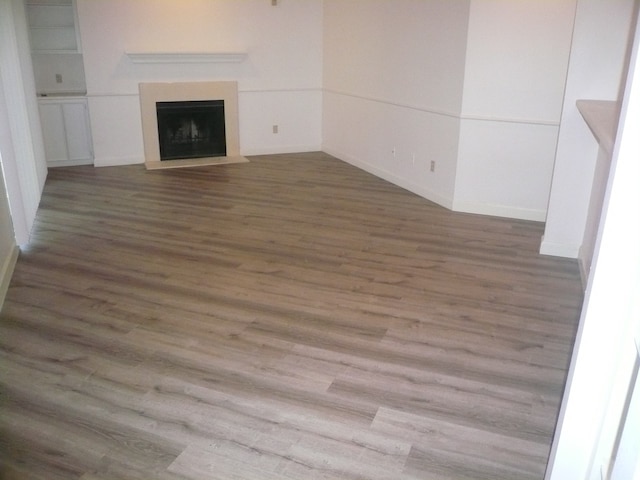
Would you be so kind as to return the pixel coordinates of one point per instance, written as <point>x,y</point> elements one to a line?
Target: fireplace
<point>190,123</point>
<point>193,129</point>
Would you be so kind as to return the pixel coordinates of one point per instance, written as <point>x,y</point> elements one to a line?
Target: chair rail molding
<point>185,57</point>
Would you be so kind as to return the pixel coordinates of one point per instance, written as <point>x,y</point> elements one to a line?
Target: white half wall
<point>275,70</point>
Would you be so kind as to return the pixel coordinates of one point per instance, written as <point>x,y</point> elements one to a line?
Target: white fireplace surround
<point>151,93</point>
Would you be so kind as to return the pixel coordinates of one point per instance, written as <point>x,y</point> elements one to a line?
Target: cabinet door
<point>53,132</point>
<point>66,132</point>
<point>77,131</point>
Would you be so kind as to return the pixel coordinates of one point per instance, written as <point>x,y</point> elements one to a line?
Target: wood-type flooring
<point>288,318</point>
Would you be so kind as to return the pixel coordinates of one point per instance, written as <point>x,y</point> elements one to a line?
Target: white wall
<point>516,65</point>
<point>393,74</point>
<point>8,248</point>
<point>69,65</point>
<point>505,168</point>
<point>605,358</point>
<point>21,145</point>
<point>595,72</point>
<point>279,83</point>
<point>475,86</point>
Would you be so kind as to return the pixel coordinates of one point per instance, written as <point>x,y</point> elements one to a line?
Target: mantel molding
<point>186,57</point>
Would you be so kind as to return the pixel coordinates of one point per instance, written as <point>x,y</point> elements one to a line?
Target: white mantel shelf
<point>186,57</point>
<point>602,118</point>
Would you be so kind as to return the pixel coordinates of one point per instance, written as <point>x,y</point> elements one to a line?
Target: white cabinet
<point>65,128</point>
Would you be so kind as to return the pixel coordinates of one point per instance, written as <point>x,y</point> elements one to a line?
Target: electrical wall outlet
<point>433,166</point>
<point>275,129</point>
<point>58,78</point>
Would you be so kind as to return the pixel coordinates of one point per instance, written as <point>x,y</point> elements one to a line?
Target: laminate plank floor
<point>288,318</point>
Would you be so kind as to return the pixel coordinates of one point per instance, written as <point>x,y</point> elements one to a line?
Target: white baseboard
<point>247,152</point>
<point>585,266</point>
<point>466,207</point>
<point>390,177</point>
<point>559,249</point>
<point>6,272</point>
<point>500,211</point>
<point>117,161</point>
<point>69,163</point>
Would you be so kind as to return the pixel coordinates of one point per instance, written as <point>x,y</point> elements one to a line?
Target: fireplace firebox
<point>191,129</point>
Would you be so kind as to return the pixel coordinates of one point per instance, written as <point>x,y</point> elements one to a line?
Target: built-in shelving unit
<point>52,26</point>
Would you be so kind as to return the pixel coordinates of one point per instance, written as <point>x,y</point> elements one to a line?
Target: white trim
<point>69,163</point>
<point>420,108</point>
<point>6,273</point>
<point>240,92</point>
<point>277,150</point>
<point>61,97</point>
<point>448,113</point>
<point>281,90</point>
<point>524,121</point>
<point>559,249</point>
<point>118,161</point>
<point>584,264</point>
<point>500,210</point>
<point>109,95</point>
<point>186,57</point>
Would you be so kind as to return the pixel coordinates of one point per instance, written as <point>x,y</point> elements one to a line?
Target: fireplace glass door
<point>191,129</point>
